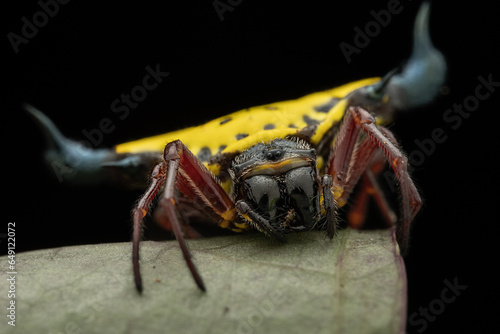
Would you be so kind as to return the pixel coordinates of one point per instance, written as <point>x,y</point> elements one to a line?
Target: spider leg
<point>358,211</point>
<point>167,202</point>
<point>186,211</point>
<point>183,171</point>
<point>366,162</point>
<point>351,157</point>
<point>329,205</point>
<point>369,187</point>
<point>367,151</point>
<point>141,209</point>
<point>260,222</point>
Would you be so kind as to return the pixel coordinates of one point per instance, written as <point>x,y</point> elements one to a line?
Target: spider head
<point>277,186</point>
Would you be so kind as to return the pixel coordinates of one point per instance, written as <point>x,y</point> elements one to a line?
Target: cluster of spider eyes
<point>273,154</point>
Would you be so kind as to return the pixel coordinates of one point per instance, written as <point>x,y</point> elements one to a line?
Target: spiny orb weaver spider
<point>278,168</point>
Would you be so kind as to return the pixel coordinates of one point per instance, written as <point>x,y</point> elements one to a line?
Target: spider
<point>279,168</point>
<point>277,187</point>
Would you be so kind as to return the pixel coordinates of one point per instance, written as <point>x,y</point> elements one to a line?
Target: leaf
<point>354,283</point>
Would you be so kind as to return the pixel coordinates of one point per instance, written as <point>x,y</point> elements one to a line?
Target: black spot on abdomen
<point>327,106</point>
<point>241,136</point>
<point>221,148</point>
<point>309,121</point>
<point>204,154</point>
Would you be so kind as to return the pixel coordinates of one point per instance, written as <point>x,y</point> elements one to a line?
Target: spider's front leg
<point>183,171</point>
<point>352,159</point>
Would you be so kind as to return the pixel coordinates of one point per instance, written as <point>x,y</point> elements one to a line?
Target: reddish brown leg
<point>141,209</point>
<point>181,170</point>
<point>329,205</point>
<point>357,212</point>
<point>188,212</point>
<point>369,188</point>
<point>350,159</point>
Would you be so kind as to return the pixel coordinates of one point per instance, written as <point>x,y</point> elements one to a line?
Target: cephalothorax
<point>280,168</point>
<point>277,184</point>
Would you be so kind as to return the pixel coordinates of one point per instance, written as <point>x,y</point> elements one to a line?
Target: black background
<point>88,54</point>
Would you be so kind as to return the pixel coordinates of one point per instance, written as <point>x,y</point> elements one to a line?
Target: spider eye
<point>274,155</point>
